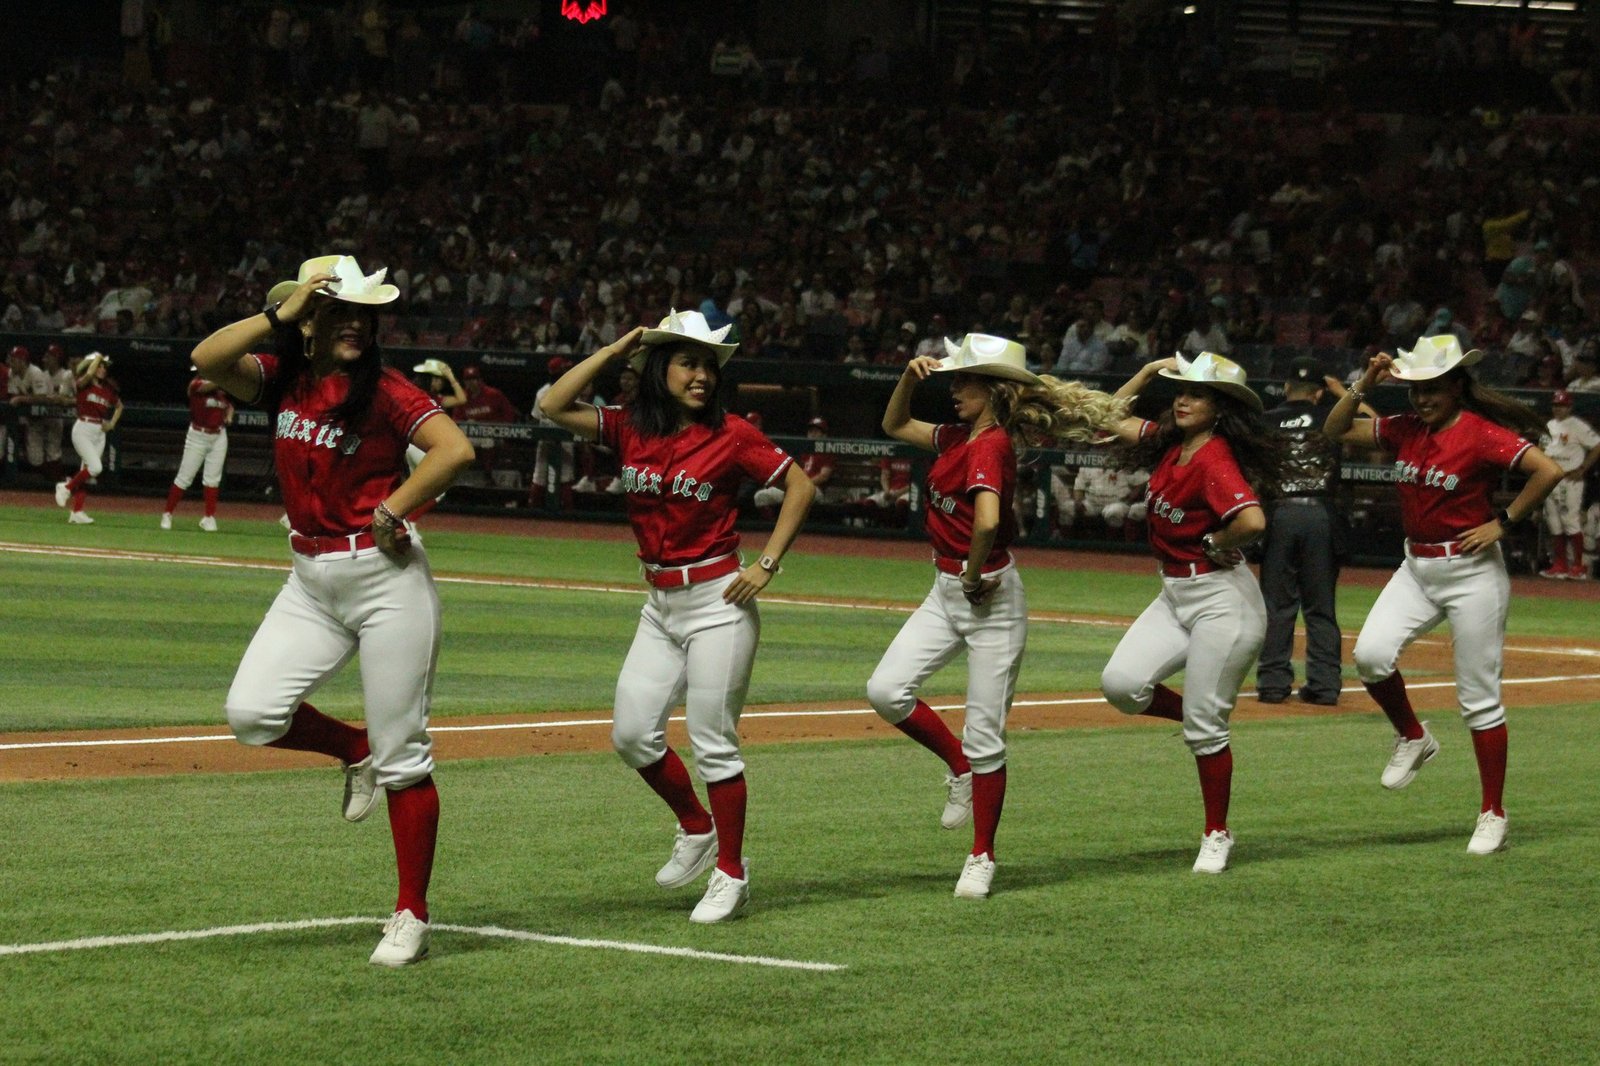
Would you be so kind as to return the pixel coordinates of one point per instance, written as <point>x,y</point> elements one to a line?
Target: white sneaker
<point>360,789</point>
<point>957,801</point>
<point>283,520</point>
<point>1490,835</point>
<point>209,524</point>
<point>166,519</point>
<point>977,874</point>
<point>1214,850</point>
<point>405,941</point>
<point>726,897</point>
<point>584,484</point>
<point>692,855</point>
<point>63,494</point>
<point>1408,757</point>
<point>78,518</point>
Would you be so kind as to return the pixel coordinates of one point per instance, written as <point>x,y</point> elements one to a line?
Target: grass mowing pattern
<point>1349,907</point>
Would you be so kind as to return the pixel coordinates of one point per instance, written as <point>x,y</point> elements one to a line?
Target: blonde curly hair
<point>1053,410</point>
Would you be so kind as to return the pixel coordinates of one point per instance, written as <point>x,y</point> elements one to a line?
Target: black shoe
<point>1319,700</point>
<point>1272,697</point>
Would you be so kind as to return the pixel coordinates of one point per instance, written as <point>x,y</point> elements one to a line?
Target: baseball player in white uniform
<point>52,385</point>
<point>24,383</point>
<point>1113,495</point>
<point>205,450</point>
<point>1574,446</point>
<point>1451,452</point>
<point>358,583</point>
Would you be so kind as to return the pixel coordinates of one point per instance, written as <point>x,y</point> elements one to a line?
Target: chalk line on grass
<point>90,943</point>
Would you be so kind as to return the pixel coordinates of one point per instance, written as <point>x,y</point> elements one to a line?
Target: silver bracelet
<point>388,516</point>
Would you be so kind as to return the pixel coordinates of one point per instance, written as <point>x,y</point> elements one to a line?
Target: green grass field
<point>1353,926</point>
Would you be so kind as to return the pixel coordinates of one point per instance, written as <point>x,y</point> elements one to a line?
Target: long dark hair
<point>655,412</point>
<point>1496,406</point>
<point>290,345</point>
<point>1260,453</point>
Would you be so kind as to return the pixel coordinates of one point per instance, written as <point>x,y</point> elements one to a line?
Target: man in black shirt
<point>1304,545</point>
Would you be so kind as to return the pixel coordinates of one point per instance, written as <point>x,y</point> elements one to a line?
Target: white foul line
<point>845,712</point>
<point>93,942</point>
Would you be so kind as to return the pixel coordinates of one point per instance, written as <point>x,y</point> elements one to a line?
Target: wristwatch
<point>769,564</point>
<point>1504,518</point>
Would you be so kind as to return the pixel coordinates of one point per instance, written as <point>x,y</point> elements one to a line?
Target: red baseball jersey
<point>208,405</point>
<point>817,464</point>
<point>1445,476</point>
<point>333,477</point>
<point>682,490</point>
<point>97,400</point>
<point>490,405</point>
<point>899,472</point>
<point>1185,502</point>
<point>964,467</point>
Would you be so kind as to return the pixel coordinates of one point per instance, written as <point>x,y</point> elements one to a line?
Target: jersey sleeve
<point>1587,437</point>
<point>947,435</point>
<point>1499,446</point>
<point>613,424</point>
<point>761,460</point>
<point>987,461</point>
<point>404,406</point>
<point>1226,491</point>
<point>1392,431</point>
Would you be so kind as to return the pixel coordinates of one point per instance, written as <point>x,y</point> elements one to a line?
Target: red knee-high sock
<point>211,493</point>
<point>174,494</point>
<point>988,797</point>
<point>78,480</point>
<point>728,801</point>
<point>1391,696</point>
<point>79,494</point>
<point>670,779</point>
<point>1576,541</point>
<point>414,824</point>
<point>925,727</point>
<point>1489,745</point>
<point>311,730</point>
<point>1216,786</point>
<point>1165,704</point>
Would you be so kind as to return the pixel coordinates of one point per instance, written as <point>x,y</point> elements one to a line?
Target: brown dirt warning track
<point>1537,671</point>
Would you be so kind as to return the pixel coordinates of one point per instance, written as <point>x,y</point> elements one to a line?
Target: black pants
<point>1299,569</point>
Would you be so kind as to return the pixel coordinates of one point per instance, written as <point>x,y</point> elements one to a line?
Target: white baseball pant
<point>544,459</point>
<point>1210,627</point>
<point>689,646</point>
<point>89,441</point>
<point>771,496</point>
<point>332,606</point>
<point>204,454</point>
<point>1474,593</point>
<point>994,635</point>
<point>1563,508</point>
<point>43,436</point>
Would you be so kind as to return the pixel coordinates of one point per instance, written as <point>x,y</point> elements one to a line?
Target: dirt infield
<point>1537,671</point>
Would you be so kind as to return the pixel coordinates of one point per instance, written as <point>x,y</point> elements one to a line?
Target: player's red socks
<point>670,780</point>
<point>925,727</point>
<point>311,730</point>
<point>79,494</point>
<point>1489,745</point>
<point>1391,696</point>
<point>174,495</point>
<point>414,824</point>
<point>1216,785</point>
<point>211,493</point>
<point>79,480</point>
<point>988,798</point>
<point>728,801</point>
<point>1165,703</point>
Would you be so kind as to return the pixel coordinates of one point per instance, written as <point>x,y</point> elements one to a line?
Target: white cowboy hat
<point>1432,357</point>
<point>349,283</point>
<point>995,357</point>
<point>1215,372</point>
<point>91,359</point>
<point>436,367</point>
<point>685,327</point>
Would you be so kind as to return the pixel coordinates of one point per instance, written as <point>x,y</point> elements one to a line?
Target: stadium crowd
<point>1113,194</point>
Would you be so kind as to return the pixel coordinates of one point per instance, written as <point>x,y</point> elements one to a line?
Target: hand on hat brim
<point>655,338</point>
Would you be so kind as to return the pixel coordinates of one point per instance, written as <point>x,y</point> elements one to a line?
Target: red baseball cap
<point>818,423</point>
<point>754,418</point>
<point>558,365</point>
<point>19,352</point>
<point>471,371</point>
<point>1562,396</point>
